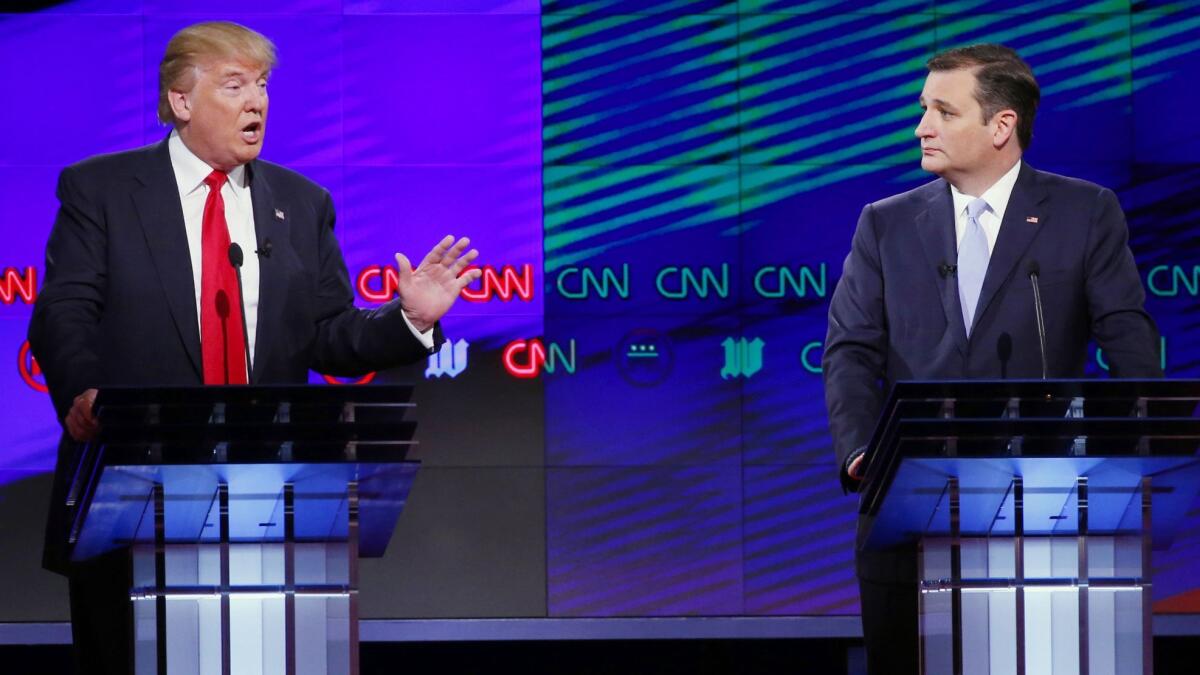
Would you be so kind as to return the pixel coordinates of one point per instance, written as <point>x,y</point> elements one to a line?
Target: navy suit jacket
<point>118,303</point>
<point>895,314</point>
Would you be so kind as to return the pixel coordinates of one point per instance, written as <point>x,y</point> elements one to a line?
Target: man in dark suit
<point>140,286</point>
<point>937,286</point>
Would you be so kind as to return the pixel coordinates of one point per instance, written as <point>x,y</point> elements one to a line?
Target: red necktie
<point>222,340</point>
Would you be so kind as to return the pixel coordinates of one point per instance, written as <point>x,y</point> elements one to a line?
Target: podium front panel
<point>121,509</point>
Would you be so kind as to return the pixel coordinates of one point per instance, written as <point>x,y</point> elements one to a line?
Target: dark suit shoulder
<point>1067,186</point>
<point>113,166</point>
<point>916,198</point>
<point>287,181</point>
<point>901,210</point>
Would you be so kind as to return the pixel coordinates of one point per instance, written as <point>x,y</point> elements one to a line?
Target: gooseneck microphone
<point>236,259</point>
<point>947,270</point>
<point>1033,269</point>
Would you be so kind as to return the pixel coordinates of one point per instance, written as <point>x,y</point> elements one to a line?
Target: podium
<point>245,510</point>
<point>1034,507</point>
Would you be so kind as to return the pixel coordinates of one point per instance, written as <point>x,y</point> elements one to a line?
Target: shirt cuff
<point>425,338</point>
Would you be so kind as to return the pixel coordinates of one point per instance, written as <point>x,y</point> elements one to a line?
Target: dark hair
<point>1003,81</point>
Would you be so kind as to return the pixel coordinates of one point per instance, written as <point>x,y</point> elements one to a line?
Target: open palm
<point>427,292</point>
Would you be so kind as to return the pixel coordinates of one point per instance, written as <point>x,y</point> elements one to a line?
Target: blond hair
<point>203,41</point>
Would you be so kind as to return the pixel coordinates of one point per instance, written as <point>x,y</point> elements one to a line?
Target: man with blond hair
<point>141,290</point>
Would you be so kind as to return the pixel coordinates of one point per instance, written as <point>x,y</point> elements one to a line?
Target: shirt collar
<point>190,170</point>
<point>996,196</point>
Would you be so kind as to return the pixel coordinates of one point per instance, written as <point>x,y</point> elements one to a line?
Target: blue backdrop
<point>628,419</point>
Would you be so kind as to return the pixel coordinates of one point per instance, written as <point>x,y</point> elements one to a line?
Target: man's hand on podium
<point>81,424</point>
<point>856,467</point>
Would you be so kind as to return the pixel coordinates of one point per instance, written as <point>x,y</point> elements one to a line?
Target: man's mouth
<point>252,132</point>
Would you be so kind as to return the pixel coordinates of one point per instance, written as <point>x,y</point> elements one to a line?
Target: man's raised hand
<point>427,292</point>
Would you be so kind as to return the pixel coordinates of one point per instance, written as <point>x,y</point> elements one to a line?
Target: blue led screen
<point>628,417</point>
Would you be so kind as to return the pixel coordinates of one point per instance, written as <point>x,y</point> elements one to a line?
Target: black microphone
<point>264,249</point>
<point>1004,353</point>
<point>235,259</point>
<point>947,270</point>
<point>1033,269</point>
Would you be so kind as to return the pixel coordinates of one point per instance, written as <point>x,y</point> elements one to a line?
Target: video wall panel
<point>627,418</point>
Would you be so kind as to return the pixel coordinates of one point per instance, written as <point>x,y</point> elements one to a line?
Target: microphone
<point>236,259</point>
<point>947,270</point>
<point>264,249</point>
<point>1033,269</point>
<point>1004,353</point>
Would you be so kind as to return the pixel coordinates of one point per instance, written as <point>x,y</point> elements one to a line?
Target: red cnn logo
<point>13,285</point>
<point>378,284</point>
<point>30,371</point>
<point>527,358</point>
<point>337,380</point>
<point>533,363</point>
<point>504,284</point>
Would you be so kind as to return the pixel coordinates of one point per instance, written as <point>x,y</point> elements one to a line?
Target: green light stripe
<point>1146,60</point>
<point>723,199</point>
<point>553,37</point>
<point>1100,7</point>
<point>669,180</point>
<point>923,40</point>
<point>1096,53</point>
<point>891,6</point>
<point>846,154</point>
<point>751,26</point>
<point>793,184</point>
<point>907,93</point>
<point>725,123</point>
<point>1145,36</point>
<point>719,80</point>
<point>722,30</point>
<point>905,114</point>
<point>726,56</point>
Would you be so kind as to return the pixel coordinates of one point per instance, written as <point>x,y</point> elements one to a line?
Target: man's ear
<point>181,104</point>
<point>1005,123</point>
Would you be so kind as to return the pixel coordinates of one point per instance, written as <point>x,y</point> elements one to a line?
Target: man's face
<point>955,143</point>
<point>225,114</point>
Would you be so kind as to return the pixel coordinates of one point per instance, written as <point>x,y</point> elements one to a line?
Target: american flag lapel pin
<point>279,215</point>
<point>1028,219</point>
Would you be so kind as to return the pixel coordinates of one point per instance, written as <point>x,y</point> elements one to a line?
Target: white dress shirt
<point>997,197</point>
<point>190,172</point>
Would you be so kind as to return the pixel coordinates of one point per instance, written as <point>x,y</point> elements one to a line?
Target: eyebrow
<point>238,72</point>
<point>945,105</point>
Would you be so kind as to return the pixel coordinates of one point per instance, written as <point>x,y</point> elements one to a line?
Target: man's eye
<point>947,114</point>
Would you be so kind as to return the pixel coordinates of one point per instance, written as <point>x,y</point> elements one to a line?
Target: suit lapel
<point>1023,217</point>
<point>935,226</point>
<point>270,224</point>
<point>161,216</point>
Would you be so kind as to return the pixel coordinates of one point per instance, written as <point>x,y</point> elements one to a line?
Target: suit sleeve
<point>66,316</point>
<point>855,356</point>
<point>1115,297</point>
<point>353,341</point>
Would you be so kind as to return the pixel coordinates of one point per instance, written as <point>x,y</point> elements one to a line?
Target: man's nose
<point>256,101</point>
<point>924,129</point>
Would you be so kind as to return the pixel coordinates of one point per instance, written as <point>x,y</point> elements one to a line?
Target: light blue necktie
<point>972,262</point>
